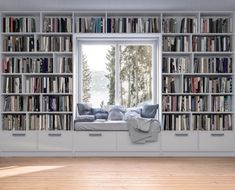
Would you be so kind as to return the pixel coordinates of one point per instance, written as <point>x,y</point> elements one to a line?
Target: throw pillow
<point>149,111</point>
<point>84,109</point>
<point>116,113</point>
<point>133,112</point>
<point>100,113</point>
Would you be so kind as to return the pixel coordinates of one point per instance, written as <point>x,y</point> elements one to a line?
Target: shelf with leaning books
<point>90,22</point>
<point>54,43</point>
<point>129,23</point>
<point>176,65</point>
<point>216,23</point>
<point>20,22</point>
<point>180,23</point>
<point>178,43</point>
<point>57,22</point>
<point>213,43</point>
<point>50,122</point>
<point>212,122</point>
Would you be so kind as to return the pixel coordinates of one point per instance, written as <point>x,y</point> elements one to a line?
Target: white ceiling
<point>161,5</point>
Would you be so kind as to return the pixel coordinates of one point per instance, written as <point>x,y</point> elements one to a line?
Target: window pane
<point>98,70</point>
<point>135,74</point>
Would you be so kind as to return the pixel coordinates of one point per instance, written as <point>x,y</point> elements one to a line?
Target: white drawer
<point>216,141</point>
<point>179,141</point>
<point>95,141</point>
<point>124,143</point>
<point>55,141</point>
<point>18,141</point>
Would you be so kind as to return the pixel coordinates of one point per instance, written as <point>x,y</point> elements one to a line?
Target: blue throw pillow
<point>100,113</point>
<point>149,111</point>
<point>84,109</point>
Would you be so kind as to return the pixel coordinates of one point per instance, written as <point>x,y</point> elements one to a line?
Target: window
<point>97,74</point>
<point>117,71</point>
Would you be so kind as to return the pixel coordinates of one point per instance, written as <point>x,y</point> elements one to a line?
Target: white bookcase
<point>197,80</point>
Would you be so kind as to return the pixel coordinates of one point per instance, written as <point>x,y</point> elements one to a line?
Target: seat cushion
<point>101,126</point>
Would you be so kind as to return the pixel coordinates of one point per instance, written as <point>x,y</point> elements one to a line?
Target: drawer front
<point>124,143</point>
<point>55,141</point>
<point>179,141</point>
<point>216,141</point>
<point>95,141</point>
<point>18,141</point>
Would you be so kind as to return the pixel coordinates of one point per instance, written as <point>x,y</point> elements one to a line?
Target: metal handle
<point>18,134</point>
<point>95,134</point>
<point>217,134</point>
<point>54,134</point>
<point>181,134</point>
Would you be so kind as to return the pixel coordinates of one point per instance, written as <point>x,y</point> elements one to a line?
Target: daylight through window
<point>129,66</point>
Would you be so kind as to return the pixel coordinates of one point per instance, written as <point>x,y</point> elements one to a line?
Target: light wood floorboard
<point>117,173</point>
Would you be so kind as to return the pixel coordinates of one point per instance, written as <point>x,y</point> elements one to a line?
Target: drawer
<point>95,141</point>
<point>18,141</point>
<point>179,141</point>
<point>216,141</point>
<point>55,141</point>
<point>124,143</point>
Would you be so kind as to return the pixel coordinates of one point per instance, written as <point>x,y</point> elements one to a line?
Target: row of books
<point>90,25</point>
<point>176,44</point>
<point>57,103</point>
<point>184,103</point>
<point>211,43</point>
<point>212,122</point>
<point>213,65</point>
<point>133,25</point>
<point>54,43</point>
<point>50,122</point>
<point>18,43</point>
<point>14,122</point>
<point>171,84</point>
<point>176,122</point>
<point>179,25</point>
<point>57,24</point>
<point>21,103</point>
<point>27,65</point>
<point>208,85</point>
<point>13,103</point>
<point>32,103</point>
<point>65,65</point>
<point>19,24</point>
<point>12,85</point>
<point>176,65</point>
<point>49,85</point>
<point>216,25</point>
<point>221,103</point>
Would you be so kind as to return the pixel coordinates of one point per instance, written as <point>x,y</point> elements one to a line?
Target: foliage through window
<point>99,74</point>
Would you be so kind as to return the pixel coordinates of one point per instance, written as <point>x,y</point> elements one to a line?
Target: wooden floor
<point>117,173</point>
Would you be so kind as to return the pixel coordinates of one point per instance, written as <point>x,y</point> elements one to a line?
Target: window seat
<point>101,126</point>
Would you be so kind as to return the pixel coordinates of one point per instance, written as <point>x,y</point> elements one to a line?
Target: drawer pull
<point>217,134</point>
<point>181,134</point>
<point>19,134</point>
<point>54,134</point>
<point>95,134</point>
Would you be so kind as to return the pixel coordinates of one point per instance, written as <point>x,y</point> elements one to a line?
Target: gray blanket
<point>143,130</point>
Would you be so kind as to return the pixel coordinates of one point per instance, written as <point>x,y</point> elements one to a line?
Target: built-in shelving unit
<point>197,75</point>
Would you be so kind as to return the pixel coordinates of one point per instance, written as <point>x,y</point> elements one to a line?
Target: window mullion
<point>117,74</point>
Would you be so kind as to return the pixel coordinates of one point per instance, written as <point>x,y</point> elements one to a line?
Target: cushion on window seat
<point>101,126</point>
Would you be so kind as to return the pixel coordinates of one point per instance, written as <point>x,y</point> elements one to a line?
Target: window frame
<point>117,40</point>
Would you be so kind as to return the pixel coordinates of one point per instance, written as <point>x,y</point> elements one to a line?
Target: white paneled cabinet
<point>18,141</point>
<point>179,141</point>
